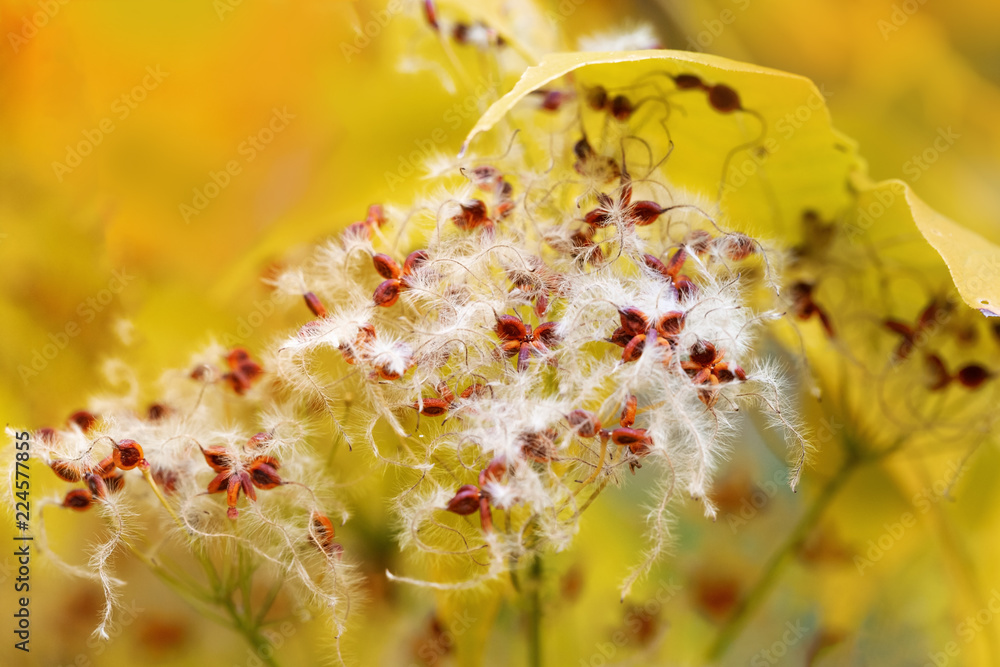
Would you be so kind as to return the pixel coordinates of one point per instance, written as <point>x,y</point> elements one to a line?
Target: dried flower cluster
<point>552,314</point>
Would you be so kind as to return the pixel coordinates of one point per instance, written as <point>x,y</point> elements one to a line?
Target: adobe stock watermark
<point>885,197</point>
<point>966,630</point>
<point>787,126</point>
<point>32,23</point>
<point>773,654</point>
<point>87,311</point>
<point>893,532</point>
<point>716,26</point>
<point>370,29</point>
<point>223,7</point>
<point>121,108</point>
<point>248,149</point>
<point>900,14</point>
<point>276,638</point>
<point>762,494</point>
<point>563,11</point>
<point>606,651</point>
<point>262,310</point>
<point>915,167</point>
<point>454,118</point>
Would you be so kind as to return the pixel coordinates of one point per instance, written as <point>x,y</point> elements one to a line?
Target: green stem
<point>534,592</point>
<point>251,632</point>
<point>758,594</point>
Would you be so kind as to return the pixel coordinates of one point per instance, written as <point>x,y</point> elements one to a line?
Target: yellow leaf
<point>973,261</point>
<point>796,148</point>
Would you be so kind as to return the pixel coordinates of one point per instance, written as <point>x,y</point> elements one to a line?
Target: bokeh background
<point>99,258</point>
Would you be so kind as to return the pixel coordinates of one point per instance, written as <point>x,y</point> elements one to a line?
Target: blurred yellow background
<point>157,160</point>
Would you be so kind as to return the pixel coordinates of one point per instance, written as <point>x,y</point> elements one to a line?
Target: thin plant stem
<point>534,593</point>
<point>772,570</point>
<point>251,632</point>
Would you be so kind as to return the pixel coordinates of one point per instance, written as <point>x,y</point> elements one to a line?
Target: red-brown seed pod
<point>98,488</point>
<point>432,407</point>
<point>635,439</point>
<point>78,499</point>
<point>237,357</point>
<point>509,328</point>
<point>545,333</point>
<point>723,98</point>
<point>688,81</point>
<point>241,382</point>
<point>244,370</point>
<point>552,100</point>
<point>386,266</point>
<point>621,108</point>
<point>645,212</point>
<point>633,320</point>
<point>106,466</point>
<point>217,457</point>
<point>627,418</point>
<point>233,487</point>
<point>157,411</point>
<point>582,149</point>
<point>321,534</point>
<point>127,454</point>
<point>676,262</point>
<point>655,264</point>
<point>972,376</point>
<point>597,99</point>
<point>671,324</point>
<point>473,214</point>
<point>315,306</point>
<point>83,419</point>
<point>599,217</point>
<point>585,423</point>
<point>264,473</point>
<point>538,446</point>
<point>414,260</point>
<point>493,471</point>
<point>66,471</point>
<point>475,391</point>
<point>699,241</point>
<point>465,501</point>
<point>219,483</point>
<point>703,353</point>
<point>322,527</point>
<point>247,485</point>
<point>634,348</point>
<point>387,293</point>
<point>258,440</point>
<point>736,246</point>
<point>485,516</point>
<point>685,287</point>
<point>740,373</point>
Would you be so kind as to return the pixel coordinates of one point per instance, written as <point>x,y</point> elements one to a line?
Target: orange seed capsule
<point>127,454</point>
